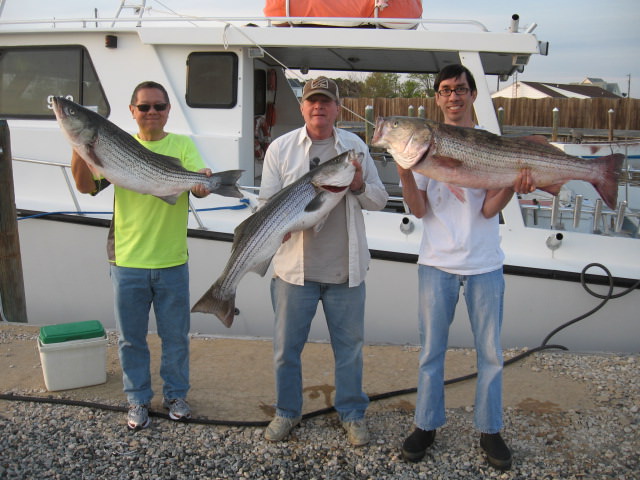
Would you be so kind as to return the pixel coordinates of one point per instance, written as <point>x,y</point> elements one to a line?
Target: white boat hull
<point>52,249</point>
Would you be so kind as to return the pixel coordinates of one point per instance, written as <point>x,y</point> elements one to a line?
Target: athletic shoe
<point>138,417</point>
<point>178,409</point>
<point>280,428</point>
<point>357,432</point>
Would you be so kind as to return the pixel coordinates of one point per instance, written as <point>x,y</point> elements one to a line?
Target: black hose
<point>605,298</point>
<point>381,396</point>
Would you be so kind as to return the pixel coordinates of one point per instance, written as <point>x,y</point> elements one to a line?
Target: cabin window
<point>212,80</point>
<point>31,76</point>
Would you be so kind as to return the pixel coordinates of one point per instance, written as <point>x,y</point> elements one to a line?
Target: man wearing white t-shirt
<point>460,247</point>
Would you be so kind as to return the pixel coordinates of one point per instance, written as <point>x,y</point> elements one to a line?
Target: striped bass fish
<point>473,158</point>
<point>302,204</point>
<point>123,161</point>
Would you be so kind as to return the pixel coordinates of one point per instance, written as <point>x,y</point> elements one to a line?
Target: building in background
<point>588,88</point>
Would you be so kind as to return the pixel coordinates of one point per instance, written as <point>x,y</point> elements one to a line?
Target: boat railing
<point>602,220</point>
<point>140,20</point>
<point>64,169</point>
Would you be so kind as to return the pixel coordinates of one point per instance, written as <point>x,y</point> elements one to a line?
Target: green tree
<point>425,80</point>
<point>411,89</point>
<point>348,88</point>
<point>380,84</point>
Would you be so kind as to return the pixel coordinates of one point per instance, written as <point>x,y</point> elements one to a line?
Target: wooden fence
<point>590,113</point>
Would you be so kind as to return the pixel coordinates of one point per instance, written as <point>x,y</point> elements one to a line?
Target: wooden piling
<point>11,278</point>
<point>611,114</point>
<point>368,123</point>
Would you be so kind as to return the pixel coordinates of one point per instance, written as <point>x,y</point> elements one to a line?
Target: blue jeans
<point>295,307</point>
<point>136,289</point>
<point>438,295</point>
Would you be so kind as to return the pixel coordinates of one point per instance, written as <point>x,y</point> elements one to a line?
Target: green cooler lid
<point>71,331</point>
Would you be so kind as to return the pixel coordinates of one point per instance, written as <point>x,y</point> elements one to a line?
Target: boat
<point>228,82</point>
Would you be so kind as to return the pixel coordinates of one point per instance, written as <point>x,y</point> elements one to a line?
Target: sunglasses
<point>158,107</point>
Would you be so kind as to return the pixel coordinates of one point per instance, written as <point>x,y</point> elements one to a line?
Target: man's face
<point>457,108</point>
<point>151,120</point>
<point>319,112</point>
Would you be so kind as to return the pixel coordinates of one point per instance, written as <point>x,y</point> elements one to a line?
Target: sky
<point>587,38</point>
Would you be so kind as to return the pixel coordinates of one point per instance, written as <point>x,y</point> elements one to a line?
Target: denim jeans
<point>136,289</point>
<point>438,295</point>
<point>295,307</point>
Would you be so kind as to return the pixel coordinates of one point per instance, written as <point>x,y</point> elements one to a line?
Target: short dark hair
<point>148,84</point>
<point>454,71</point>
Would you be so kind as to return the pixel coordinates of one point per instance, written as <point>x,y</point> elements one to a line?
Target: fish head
<point>336,175</point>
<point>407,139</point>
<point>78,123</point>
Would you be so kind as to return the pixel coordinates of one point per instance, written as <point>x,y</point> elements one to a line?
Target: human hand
<point>356,183</point>
<point>524,182</point>
<point>200,190</point>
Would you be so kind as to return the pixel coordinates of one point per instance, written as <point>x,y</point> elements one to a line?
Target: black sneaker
<point>498,454</point>
<point>415,446</point>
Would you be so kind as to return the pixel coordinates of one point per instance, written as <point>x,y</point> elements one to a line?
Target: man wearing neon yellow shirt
<point>147,249</point>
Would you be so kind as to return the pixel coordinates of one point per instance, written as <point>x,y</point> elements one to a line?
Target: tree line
<point>388,85</point>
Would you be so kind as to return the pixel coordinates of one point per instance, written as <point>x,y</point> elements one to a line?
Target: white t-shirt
<point>456,237</point>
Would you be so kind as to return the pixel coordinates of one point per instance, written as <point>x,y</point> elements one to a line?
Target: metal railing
<point>603,221</point>
<point>65,167</point>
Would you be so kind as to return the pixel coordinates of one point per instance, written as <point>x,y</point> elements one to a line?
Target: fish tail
<point>212,302</point>
<point>225,183</point>
<point>607,183</point>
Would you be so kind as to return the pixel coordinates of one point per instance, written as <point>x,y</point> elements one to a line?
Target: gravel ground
<point>46,441</point>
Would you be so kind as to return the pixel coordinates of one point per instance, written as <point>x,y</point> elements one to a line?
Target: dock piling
<point>12,295</point>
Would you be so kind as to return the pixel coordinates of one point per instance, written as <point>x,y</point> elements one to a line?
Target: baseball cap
<point>321,85</point>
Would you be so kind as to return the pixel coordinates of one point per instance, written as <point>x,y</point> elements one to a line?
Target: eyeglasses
<point>158,107</point>
<point>445,92</point>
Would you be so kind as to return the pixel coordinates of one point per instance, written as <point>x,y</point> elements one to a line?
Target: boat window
<point>32,76</point>
<point>212,80</point>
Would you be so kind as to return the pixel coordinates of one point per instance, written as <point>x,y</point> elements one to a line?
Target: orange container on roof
<point>345,9</point>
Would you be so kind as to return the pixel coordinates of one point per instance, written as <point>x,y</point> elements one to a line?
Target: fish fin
<point>87,153</point>
<point>261,268</point>
<point>314,204</point>
<point>211,302</point>
<point>607,183</point>
<point>170,199</point>
<point>447,162</point>
<point>225,183</point>
<point>457,192</point>
<point>552,189</point>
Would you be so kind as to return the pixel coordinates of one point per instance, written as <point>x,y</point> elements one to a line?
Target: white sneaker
<point>138,417</point>
<point>280,428</point>
<point>179,409</point>
<point>357,432</point>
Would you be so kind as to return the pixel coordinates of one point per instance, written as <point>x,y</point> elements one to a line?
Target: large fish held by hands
<point>474,158</point>
<point>125,162</point>
<point>302,204</point>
